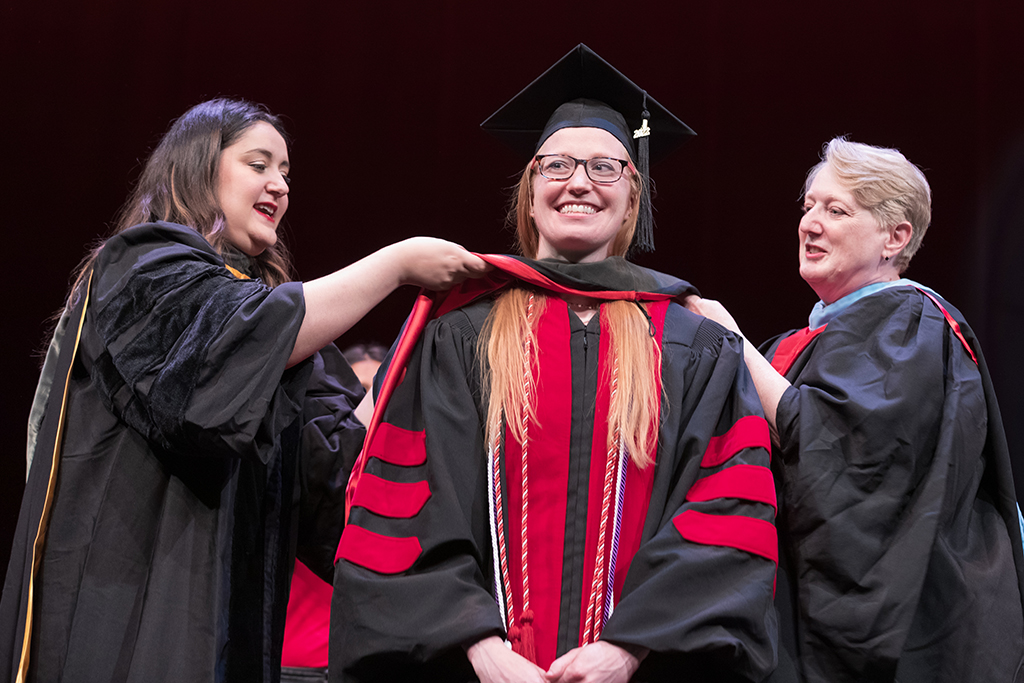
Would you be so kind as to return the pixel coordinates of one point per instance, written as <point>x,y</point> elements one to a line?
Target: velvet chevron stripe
<point>384,554</point>
<point>748,432</point>
<point>749,482</point>
<point>391,498</point>
<point>752,535</point>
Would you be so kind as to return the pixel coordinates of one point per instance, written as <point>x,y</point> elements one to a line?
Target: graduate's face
<point>577,219</point>
<point>842,245</point>
<point>252,188</point>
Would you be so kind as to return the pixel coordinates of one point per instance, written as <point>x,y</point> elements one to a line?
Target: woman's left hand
<point>600,662</point>
<point>712,310</point>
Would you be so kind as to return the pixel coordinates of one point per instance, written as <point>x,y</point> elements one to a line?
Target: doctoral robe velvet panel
<point>413,587</point>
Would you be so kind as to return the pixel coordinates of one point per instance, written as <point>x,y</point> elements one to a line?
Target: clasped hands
<point>600,662</point>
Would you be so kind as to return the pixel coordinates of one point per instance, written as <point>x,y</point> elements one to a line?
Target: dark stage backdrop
<point>384,101</point>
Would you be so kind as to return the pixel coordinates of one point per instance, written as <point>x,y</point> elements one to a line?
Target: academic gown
<point>192,466</point>
<point>901,549</point>
<point>691,563</point>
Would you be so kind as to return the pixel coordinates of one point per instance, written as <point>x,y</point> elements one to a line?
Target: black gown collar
<point>613,273</point>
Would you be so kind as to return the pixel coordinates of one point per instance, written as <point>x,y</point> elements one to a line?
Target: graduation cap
<point>581,90</point>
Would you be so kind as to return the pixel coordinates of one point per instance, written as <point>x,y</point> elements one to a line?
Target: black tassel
<point>643,240</point>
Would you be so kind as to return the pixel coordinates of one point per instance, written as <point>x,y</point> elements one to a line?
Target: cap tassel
<point>643,240</point>
<point>521,637</point>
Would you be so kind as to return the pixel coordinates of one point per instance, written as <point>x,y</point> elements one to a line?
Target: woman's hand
<point>336,302</point>
<point>770,384</point>
<point>436,264</point>
<point>712,310</point>
<point>494,662</point>
<point>600,662</point>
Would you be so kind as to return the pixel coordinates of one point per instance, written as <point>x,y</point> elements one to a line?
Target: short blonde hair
<point>883,181</point>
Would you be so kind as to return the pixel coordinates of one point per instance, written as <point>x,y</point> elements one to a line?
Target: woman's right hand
<point>335,302</point>
<point>494,662</point>
<point>712,310</point>
<point>435,263</point>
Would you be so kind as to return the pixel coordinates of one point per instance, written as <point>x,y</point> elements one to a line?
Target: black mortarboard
<point>583,90</point>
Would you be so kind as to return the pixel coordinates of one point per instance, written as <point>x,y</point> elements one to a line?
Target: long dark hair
<point>179,181</point>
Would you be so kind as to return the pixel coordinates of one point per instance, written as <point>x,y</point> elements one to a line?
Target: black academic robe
<point>901,549</point>
<point>693,566</point>
<point>193,463</point>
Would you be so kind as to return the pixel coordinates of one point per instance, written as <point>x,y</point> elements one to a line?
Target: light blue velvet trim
<point>822,313</point>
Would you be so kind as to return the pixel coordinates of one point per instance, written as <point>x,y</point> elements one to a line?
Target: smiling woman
<point>561,505</point>
<point>900,543</point>
<point>578,219</point>
<point>192,413</point>
<point>252,188</point>
<point>843,245</point>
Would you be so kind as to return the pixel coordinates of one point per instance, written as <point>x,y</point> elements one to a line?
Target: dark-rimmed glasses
<point>598,169</point>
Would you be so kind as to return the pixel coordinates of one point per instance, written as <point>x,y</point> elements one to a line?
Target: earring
<point>886,258</point>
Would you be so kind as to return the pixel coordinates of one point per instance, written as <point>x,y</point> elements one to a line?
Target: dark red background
<point>384,100</point>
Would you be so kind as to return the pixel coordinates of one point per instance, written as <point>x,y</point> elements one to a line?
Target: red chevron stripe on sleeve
<point>390,498</point>
<point>384,554</point>
<point>399,446</point>
<point>752,535</point>
<point>748,432</point>
<point>749,482</point>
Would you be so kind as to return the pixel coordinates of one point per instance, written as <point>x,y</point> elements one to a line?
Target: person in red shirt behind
<point>307,625</point>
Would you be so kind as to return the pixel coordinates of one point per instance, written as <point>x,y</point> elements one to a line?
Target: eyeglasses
<point>599,169</point>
